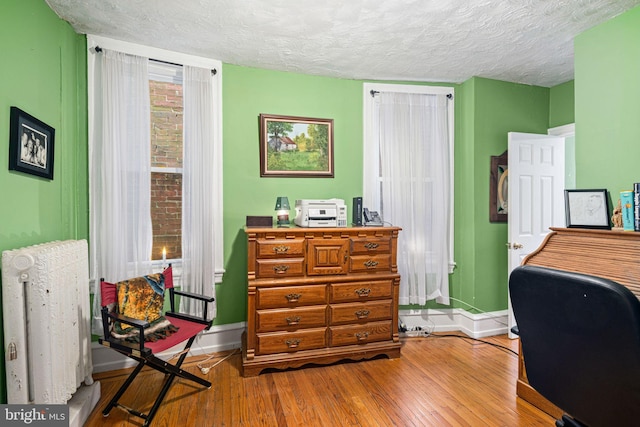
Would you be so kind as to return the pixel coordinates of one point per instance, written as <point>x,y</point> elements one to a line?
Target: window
<point>408,177</point>
<point>155,165</point>
<point>165,92</point>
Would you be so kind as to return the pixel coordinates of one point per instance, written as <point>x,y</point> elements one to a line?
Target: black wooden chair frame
<point>146,357</point>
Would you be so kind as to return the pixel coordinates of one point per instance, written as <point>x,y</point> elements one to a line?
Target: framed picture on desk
<point>587,209</point>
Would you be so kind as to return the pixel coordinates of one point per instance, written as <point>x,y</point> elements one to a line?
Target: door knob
<point>517,246</point>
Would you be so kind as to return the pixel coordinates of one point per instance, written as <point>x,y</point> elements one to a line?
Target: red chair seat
<point>186,330</point>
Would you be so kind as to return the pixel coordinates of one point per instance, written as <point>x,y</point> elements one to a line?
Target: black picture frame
<point>587,209</point>
<point>498,188</point>
<point>31,145</point>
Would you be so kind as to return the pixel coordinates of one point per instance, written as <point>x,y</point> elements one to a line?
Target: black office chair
<point>580,339</point>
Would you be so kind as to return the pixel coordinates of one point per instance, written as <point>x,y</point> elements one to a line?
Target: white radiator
<point>46,310</point>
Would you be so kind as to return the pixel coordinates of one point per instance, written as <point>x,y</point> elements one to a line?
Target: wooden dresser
<point>614,255</point>
<point>320,295</point>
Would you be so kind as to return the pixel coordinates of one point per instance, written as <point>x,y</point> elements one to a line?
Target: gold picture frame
<point>293,146</point>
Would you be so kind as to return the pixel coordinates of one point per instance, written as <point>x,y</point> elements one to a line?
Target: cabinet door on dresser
<point>327,256</point>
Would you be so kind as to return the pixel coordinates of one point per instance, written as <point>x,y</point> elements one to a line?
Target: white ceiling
<point>521,41</point>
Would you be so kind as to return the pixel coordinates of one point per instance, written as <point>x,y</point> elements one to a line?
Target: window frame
<point>369,152</point>
<point>180,59</point>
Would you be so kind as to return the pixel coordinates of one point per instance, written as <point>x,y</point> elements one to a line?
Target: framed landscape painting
<point>296,146</point>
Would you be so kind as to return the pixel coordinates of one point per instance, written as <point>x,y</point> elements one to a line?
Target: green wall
<point>248,92</point>
<point>490,109</point>
<point>42,73</point>
<point>561,104</point>
<point>607,85</point>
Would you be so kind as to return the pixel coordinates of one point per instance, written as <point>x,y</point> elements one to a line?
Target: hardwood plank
<point>438,381</point>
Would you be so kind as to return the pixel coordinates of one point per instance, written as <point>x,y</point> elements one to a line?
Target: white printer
<point>321,213</point>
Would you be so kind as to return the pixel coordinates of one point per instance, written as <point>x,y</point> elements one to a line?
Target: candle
<point>164,255</point>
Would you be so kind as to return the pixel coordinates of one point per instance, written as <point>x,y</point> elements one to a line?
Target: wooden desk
<point>614,255</point>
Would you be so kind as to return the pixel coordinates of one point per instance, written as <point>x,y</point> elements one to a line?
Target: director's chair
<point>135,326</point>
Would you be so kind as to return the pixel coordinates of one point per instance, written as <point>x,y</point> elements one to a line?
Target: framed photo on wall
<point>31,143</point>
<point>587,209</point>
<point>498,188</point>
<point>296,146</point>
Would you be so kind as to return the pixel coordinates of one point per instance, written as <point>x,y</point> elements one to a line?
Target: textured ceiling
<point>522,41</point>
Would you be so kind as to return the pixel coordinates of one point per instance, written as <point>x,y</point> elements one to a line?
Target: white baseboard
<point>456,319</point>
<point>216,339</point>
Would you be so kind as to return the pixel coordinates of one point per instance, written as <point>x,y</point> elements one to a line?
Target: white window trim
<point>367,103</point>
<point>176,58</point>
<point>166,170</point>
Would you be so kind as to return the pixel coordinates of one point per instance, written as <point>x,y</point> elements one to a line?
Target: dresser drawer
<point>360,263</point>
<point>280,248</point>
<point>282,319</point>
<point>280,267</point>
<point>285,342</point>
<point>360,334</point>
<point>370,245</point>
<point>291,296</point>
<point>361,291</point>
<point>360,312</point>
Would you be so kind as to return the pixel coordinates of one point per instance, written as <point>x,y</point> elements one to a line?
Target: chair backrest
<point>580,339</point>
<point>108,292</point>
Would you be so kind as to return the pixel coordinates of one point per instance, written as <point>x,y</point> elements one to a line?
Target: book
<point>628,213</point>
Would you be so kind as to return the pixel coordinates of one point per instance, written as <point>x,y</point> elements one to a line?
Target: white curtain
<point>414,189</point>
<point>119,170</point>
<point>200,198</point>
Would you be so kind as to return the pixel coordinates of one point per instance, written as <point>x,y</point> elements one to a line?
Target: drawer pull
<point>293,320</point>
<point>371,264</point>
<point>371,245</point>
<point>280,269</point>
<point>362,314</point>
<point>363,292</point>
<point>361,336</point>
<point>293,297</point>
<point>280,249</point>
<point>292,343</point>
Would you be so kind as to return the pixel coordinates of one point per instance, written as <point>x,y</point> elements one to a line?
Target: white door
<point>535,194</point>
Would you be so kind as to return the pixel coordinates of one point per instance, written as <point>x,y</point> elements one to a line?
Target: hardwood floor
<point>438,381</point>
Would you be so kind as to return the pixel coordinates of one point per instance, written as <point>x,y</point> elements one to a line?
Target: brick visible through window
<point>166,152</point>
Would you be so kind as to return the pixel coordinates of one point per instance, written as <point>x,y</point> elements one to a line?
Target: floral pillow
<point>142,298</point>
